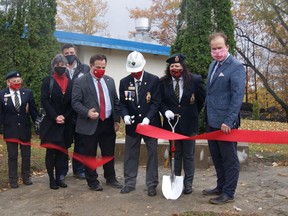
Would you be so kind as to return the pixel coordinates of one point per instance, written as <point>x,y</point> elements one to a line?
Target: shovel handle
<point>174,125</point>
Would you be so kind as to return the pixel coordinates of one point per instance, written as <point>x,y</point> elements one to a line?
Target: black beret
<point>176,58</point>
<point>12,74</point>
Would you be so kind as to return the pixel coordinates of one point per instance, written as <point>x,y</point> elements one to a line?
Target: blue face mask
<point>70,59</point>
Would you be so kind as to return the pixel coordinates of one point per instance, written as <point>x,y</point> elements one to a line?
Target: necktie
<point>17,102</point>
<point>102,102</point>
<point>138,86</point>
<point>177,90</point>
<point>214,70</point>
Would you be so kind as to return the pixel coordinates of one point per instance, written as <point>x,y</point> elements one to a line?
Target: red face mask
<point>15,86</point>
<point>137,75</point>
<point>176,73</point>
<point>99,73</point>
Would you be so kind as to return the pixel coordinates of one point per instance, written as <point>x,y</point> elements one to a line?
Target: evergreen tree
<point>223,21</point>
<point>27,40</point>
<point>198,19</point>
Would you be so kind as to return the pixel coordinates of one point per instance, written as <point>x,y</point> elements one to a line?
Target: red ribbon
<point>250,136</point>
<point>90,162</point>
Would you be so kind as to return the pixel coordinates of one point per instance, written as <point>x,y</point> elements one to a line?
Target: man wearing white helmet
<point>140,100</point>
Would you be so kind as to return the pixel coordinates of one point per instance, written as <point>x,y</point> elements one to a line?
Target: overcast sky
<point>118,16</point>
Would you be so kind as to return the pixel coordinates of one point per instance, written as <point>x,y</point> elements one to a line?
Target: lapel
<point>91,86</point>
<point>109,87</point>
<point>24,100</point>
<point>143,85</point>
<point>171,90</point>
<point>212,66</point>
<point>220,69</point>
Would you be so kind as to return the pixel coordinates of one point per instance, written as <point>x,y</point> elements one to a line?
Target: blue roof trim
<point>97,41</point>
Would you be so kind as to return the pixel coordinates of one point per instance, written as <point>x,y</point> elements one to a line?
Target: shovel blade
<point>172,190</point>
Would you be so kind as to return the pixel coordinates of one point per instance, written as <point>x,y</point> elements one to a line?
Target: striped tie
<point>138,86</point>
<point>17,102</point>
<point>177,90</point>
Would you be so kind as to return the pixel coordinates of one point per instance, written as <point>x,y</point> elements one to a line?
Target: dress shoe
<point>187,190</point>
<point>126,189</point>
<point>53,185</point>
<point>114,184</point>
<point>222,199</point>
<point>152,191</point>
<point>212,192</point>
<point>61,183</point>
<point>14,185</point>
<point>27,181</point>
<point>80,176</point>
<point>96,187</point>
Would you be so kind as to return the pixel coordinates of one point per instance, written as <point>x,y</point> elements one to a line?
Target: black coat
<point>17,124</point>
<point>189,107</point>
<point>149,101</point>
<point>58,104</point>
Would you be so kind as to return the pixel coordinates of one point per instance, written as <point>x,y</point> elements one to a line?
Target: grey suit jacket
<point>84,97</point>
<point>225,93</point>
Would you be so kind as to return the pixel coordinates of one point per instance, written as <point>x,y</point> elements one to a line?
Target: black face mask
<point>70,59</point>
<point>60,70</point>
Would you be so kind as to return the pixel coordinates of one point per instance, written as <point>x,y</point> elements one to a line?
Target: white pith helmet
<point>135,62</point>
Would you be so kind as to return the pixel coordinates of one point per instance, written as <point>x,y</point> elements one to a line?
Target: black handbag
<point>42,112</point>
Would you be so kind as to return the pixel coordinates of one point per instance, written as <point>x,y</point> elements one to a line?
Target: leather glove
<point>169,114</point>
<point>145,121</point>
<point>128,120</point>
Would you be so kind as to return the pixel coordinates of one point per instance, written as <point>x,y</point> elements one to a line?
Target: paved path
<point>261,191</point>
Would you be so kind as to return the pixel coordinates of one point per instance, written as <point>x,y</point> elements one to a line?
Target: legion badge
<point>148,97</point>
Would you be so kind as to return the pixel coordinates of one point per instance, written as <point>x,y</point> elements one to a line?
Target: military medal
<point>129,95</point>
<point>5,100</point>
<point>126,95</point>
<point>131,87</point>
<point>132,95</point>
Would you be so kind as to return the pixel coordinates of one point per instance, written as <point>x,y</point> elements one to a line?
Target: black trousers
<point>54,160</point>
<point>105,136</point>
<point>226,163</point>
<point>12,149</point>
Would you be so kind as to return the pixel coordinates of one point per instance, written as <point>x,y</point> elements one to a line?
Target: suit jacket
<point>148,104</point>
<point>84,97</point>
<point>80,70</point>
<point>189,107</point>
<point>58,104</point>
<point>17,124</point>
<point>225,93</point>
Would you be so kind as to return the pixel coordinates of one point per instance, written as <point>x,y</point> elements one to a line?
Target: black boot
<point>61,183</point>
<point>53,184</point>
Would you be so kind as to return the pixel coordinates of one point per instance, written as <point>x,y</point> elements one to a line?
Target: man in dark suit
<point>225,92</point>
<point>74,70</point>
<point>139,103</point>
<point>16,107</point>
<point>182,93</point>
<point>95,100</point>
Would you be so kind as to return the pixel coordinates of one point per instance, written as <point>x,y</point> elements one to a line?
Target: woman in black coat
<point>56,127</point>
